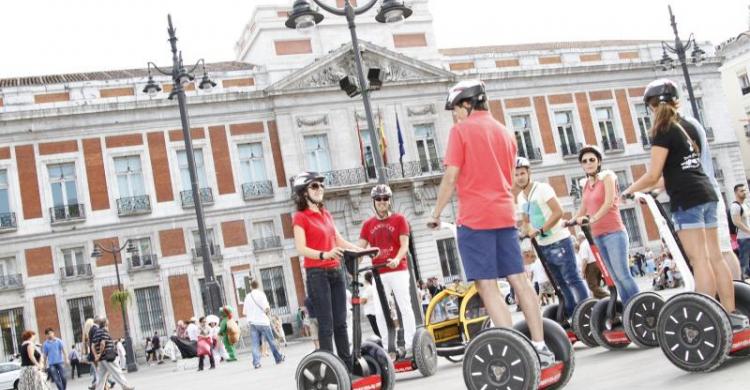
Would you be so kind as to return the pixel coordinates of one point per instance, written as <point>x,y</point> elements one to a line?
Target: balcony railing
<point>213,250</point>
<point>67,213</point>
<point>7,221</point>
<point>535,154</point>
<point>257,190</point>
<point>266,243</point>
<point>207,197</point>
<point>412,169</point>
<point>281,311</point>
<point>345,177</point>
<point>710,133</point>
<point>78,271</point>
<point>613,145</point>
<point>11,282</point>
<point>570,150</point>
<point>140,262</point>
<point>134,205</point>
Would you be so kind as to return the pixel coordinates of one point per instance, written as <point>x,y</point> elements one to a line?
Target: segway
<point>556,312</point>
<point>371,367</point>
<point>693,329</point>
<point>424,352</point>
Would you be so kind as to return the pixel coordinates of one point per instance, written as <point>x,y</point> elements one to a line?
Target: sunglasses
<point>588,160</point>
<point>317,186</point>
<point>382,198</point>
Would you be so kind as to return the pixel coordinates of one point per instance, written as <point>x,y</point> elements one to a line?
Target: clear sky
<point>63,36</point>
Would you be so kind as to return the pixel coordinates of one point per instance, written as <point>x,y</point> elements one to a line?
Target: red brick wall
<point>182,301</point>
<point>246,128</point>
<point>627,120</point>
<point>39,261</point>
<point>113,312</point>
<point>297,46</point>
<point>507,63</point>
<point>496,108</point>
<point>517,102</point>
<point>92,154</point>
<point>172,242</point>
<point>4,153</point>
<point>243,82</point>
<point>195,133</point>
<point>108,258</point>
<point>47,148</point>
<point>638,171</point>
<point>118,141</point>
<point>628,55</point>
<point>286,225</point>
<point>299,284</point>
<point>590,57</point>
<point>600,95</point>
<point>461,65</point>
<point>52,97</point>
<point>115,92</point>
<point>168,87</point>
<point>234,233</point>
<point>564,98</point>
<point>157,150</point>
<point>652,232</point>
<point>542,116</point>
<point>636,92</point>
<point>409,40</point>
<point>587,124</point>
<point>559,184</point>
<point>278,160</point>
<point>30,200</point>
<point>45,309</point>
<point>550,60</point>
<point>222,159</point>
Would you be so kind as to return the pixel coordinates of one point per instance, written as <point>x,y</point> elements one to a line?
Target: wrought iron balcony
<point>67,213</point>
<point>7,221</point>
<point>345,177</point>
<point>134,205</point>
<point>570,150</point>
<point>213,250</point>
<point>206,194</point>
<point>613,145</point>
<point>257,190</point>
<point>534,155</point>
<point>710,133</point>
<point>77,271</point>
<point>11,282</point>
<point>266,243</point>
<point>281,311</point>
<point>413,169</point>
<point>139,262</point>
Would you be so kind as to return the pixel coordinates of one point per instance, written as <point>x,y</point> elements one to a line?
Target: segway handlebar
<point>353,255</point>
<point>573,222</point>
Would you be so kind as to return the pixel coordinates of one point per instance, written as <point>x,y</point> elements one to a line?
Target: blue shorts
<point>702,216</point>
<point>490,253</point>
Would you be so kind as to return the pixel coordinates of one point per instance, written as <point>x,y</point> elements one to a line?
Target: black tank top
<point>25,359</point>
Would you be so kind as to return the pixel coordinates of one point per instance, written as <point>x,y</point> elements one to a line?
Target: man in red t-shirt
<point>480,162</point>
<point>390,232</point>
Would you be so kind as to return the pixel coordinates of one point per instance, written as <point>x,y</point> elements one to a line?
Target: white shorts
<point>725,242</point>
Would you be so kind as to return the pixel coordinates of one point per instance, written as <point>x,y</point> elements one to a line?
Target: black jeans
<point>74,367</point>
<point>210,360</point>
<point>327,289</point>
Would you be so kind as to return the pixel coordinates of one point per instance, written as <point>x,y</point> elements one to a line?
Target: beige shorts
<point>314,328</point>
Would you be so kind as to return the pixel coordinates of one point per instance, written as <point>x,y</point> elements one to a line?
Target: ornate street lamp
<point>181,77</point>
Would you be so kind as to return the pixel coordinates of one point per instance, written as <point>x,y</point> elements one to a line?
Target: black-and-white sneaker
<point>738,321</point>
<point>546,357</point>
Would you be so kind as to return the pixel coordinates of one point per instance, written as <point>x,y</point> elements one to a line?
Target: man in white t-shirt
<point>192,329</point>
<point>256,310</point>
<point>542,219</point>
<point>368,303</point>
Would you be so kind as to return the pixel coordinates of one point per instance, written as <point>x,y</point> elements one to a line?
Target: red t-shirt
<point>320,233</point>
<point>385,234</point>
<point>486,153</point>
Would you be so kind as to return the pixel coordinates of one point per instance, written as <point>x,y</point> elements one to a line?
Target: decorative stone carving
<point>363,118</point>
<point>419,199</point>
<point>307,121</point>
<point>355,199</point>
<point>421,110</point>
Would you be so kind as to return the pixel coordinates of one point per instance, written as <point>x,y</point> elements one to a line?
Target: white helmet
<point>467,89</point>
<point>522,162</point>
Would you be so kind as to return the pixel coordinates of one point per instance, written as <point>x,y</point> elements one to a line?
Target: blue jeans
<point>561,260</point>
<point>744,249</point>
<point>57,372</point>
<point>614,250</point>
<point>264,331</point>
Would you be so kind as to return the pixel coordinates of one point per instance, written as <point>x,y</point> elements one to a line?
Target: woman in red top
<point>317,239</point>
<point>601,207</point>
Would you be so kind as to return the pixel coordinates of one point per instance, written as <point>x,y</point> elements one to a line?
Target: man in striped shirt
<point>105,354</point>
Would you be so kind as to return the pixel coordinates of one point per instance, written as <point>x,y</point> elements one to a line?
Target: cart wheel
<point>582,322</point>
<point>558,342</point>
<point>550,312</point>
<point>694,332</point>
<point>380,364</point>
<point>640,317</point>
<point>499,358</point>
<point>322,370</point>
<point>425,352</point>
<point>742,302</point>
<point>600,323</point>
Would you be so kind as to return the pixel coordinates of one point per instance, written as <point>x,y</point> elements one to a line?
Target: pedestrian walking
<point>257,309</point>
<point>156,348</point>
<point>105,354</point>
<point>53,354</point>
<point>75,362</point>
<point>30,377</point>
<point>121,355</point>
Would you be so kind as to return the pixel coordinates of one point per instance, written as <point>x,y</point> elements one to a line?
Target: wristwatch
<point>321,255</point>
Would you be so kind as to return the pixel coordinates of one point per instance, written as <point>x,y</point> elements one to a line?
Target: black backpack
<point>732,226</point>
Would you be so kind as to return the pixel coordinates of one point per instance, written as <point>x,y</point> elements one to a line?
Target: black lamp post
<point>575,193</point>
<point>680,49</point>
<point>304,17</point>
<point>180,78</point>
<point>114,250</point>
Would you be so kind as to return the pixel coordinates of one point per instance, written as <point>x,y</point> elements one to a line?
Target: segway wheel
<point>558,342</point>
<point>582,322</point>
<point>322,370</point>
<point>601,324</point>
<point>550,312</point>
<point>742,303</point>
<point>694,332</point>
<point>380,364</point>
<point>425,352</point>
<point>640,317</point>
<point>501,358</point>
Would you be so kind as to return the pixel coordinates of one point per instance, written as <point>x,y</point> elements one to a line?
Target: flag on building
<point>401,149</point>
<point>359,137</point>
<point>382,141</point>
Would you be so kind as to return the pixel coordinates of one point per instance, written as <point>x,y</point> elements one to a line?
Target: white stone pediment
<point>326,71</point>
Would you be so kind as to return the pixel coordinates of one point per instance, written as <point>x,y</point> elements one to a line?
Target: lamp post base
<point>130,355</point>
